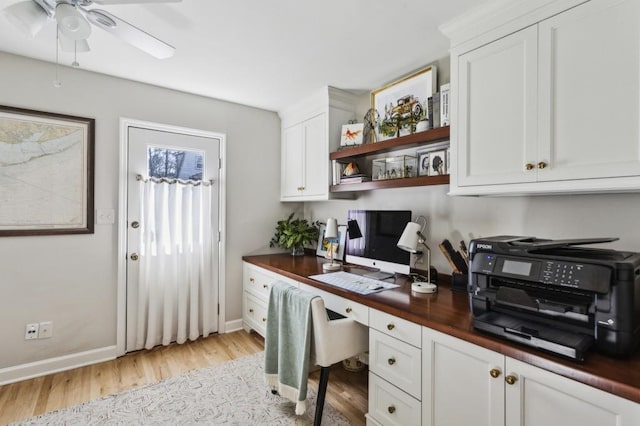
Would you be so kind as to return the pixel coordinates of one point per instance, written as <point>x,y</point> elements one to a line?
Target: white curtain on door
<point>175,271</point>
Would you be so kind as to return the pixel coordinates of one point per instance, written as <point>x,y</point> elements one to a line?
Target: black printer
<point>555,296</point>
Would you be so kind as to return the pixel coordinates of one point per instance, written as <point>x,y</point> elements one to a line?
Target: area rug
<point>232,393</point>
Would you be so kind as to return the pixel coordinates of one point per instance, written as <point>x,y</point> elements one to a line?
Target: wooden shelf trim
<point>391,183</point>
<point>433,135</point>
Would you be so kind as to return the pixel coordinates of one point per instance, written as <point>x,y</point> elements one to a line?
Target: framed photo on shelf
<point>47,169</point>
<point>324,245</point>
<point>423,162</point>
<point>401,104</point>
<point>438,163</point>
<point>351,134</point>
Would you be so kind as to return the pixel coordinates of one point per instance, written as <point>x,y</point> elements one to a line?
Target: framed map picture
<point>46,173</point>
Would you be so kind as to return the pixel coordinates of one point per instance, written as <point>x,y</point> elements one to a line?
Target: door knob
<point>134,256</point>
<point>135,224</point>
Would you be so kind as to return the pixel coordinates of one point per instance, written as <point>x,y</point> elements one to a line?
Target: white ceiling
<point>263,53</point>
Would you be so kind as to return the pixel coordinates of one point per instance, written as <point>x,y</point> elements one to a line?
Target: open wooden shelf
<point>391,183</point>
<point>409,141</point>
<point>420,139</point>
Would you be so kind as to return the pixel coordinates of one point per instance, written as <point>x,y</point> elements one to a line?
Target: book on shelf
<point>338,168</point>
<point>433,110</point>
<point>444,104</point>
<point>359,178</point>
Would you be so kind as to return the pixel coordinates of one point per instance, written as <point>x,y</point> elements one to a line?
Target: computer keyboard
<point>352,282</point>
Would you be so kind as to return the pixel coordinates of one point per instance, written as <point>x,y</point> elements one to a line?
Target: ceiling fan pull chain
<point>57,82</point>
<point>75,63</point>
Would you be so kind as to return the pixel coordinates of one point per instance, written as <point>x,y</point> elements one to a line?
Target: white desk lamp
<point>331,234</point>
<point>411,237</point>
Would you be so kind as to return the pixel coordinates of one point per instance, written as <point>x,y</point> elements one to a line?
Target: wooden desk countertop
<point>448,312</point>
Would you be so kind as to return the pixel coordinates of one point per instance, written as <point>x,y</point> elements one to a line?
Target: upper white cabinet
<point>310,131</point>
<point>546,98</point>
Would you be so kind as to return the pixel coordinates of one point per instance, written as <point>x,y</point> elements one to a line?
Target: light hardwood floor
<point>347,392</point>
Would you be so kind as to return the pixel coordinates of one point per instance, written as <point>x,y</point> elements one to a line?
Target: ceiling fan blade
<point>108,2</point>
<point>130,34</point>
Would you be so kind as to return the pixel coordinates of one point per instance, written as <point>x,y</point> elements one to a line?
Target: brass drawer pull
<point>528,166</point>
<point>391,409</point>
<point>349,310</point>
<point>511,379</point>
<point>391,361</point>
<point>390,326</point>
<point>250,311</point>
<point>494,373</point>
<point>265,286</point>
<point>264,319</point>
<point>542,165</point>
<point>251,280</point>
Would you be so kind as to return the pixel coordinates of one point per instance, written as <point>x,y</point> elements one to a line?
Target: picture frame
<point>423,162</point>
<point>351,134</point>
<point>438,163</point>
<point>398,106</point>
<point>322,248</point>
<point>46,173</point>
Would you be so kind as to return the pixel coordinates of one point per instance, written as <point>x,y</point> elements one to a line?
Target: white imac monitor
<point>377,248</point>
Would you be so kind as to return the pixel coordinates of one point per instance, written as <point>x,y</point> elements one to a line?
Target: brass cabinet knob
<point>300,188</point>
<point>528,166</point>
<point>349,310</point>
<point>265,286</point>
<point>390,326</point>
<point>511,379</point>
<point>494,372</point>
<point>251,280</point>
<point>135,224</point>
<point>391,409</point>
<point>134,256</point>
<point>391,361</point>
<point>250,311</point>
<point>264,319</point>
<point>542,165</point>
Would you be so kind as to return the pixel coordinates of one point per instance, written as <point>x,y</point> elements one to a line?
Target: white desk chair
<point>333,341</point>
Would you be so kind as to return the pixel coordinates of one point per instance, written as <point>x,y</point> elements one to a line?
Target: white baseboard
<point>231,326</point>
<point>54,365</point>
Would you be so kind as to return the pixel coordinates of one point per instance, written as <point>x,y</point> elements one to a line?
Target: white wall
<point>71,280</point>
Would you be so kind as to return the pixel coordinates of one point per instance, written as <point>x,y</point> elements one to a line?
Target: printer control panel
<point>554,272</point>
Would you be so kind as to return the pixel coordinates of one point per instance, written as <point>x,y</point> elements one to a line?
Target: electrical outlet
<point>31,331</point>
<point>46,330</point>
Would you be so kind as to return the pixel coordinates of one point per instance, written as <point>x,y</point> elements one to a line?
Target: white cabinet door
<point>458,386</point>
<point>541,398</point>
<point>305,164</point>
<point>316,162</point>
<point>497,111</point>
<point>589,91</point>
<point>292,167</point>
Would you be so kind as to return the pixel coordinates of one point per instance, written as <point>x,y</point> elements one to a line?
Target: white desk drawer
<point>399,328</point>
<point>397,362</point>
<point>258,281</point>
<point>346,307</point>
<point>255,313</point>
<point>388,405</point>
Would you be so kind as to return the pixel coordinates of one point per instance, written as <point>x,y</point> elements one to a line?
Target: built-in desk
<point>446,314</point>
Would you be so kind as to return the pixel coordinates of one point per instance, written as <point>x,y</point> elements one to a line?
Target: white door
<point>171,294</point>
<point>497,111</point>
<point>589,124</point>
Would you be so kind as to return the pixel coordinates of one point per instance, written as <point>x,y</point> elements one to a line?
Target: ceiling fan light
<point>71,23</point>
<point>68,44</point>
<point>27,16</point>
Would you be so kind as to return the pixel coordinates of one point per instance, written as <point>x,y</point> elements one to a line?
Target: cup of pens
<point>459,261</point>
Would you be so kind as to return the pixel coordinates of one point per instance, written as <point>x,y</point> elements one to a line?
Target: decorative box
<point>402,166</point>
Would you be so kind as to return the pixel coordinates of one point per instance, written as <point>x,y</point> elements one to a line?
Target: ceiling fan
<point>74,19</point>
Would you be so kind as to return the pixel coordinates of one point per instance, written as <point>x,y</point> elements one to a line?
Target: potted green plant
<point>293,234</point>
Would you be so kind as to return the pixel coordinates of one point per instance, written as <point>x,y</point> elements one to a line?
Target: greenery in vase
<point>292,233</point>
